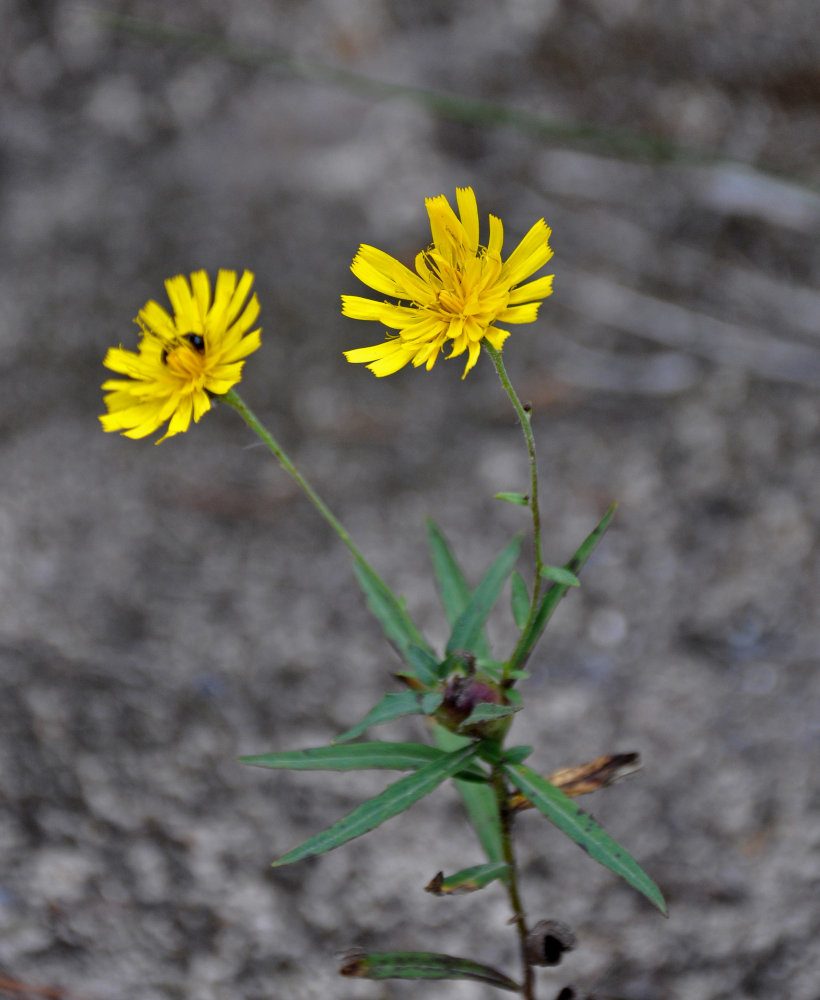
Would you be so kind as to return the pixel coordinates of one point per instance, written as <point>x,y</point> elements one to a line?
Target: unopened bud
<point>547,942</point>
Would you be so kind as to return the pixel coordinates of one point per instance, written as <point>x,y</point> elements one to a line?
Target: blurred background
<point>164,610</point>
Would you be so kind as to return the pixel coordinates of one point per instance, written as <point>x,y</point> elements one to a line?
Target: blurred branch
<point>680,328</point>
<point>620,143</point>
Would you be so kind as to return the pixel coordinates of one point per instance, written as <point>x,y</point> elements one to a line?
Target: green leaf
<point>392,706</point>
<point>389,611</point>
<point>453,588</point>
<point>515,755</point>
<point>560,574</point>
<point>553,596</point>
<point>514,698</point>
<point>470,622</point>
<point>485,711</point>
<point>422,965</point>
<point>392,801</point>
<point>380,755</point>
<point>431,701</point>
<point>479,801</point>
<point>520,600</point>
<point>582,828</point>
<point>521,499</point>
<point>468,879</point>
<point>424,664</point>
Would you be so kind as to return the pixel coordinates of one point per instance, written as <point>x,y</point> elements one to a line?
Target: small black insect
<point>196,340</point>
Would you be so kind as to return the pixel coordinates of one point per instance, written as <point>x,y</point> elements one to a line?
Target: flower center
<point>186,357</point>
<point>468,290</point>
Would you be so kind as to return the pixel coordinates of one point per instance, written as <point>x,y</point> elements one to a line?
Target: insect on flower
<point>182,360</point>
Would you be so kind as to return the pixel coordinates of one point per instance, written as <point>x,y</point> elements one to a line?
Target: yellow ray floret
<point>457,293</point>
<point>183,358</point>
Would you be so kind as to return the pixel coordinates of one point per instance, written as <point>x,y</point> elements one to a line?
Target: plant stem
<point>526,426</point>
<point>519,917</point>
<point>235,401</point>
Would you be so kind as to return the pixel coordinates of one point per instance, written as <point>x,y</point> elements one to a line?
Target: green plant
<point>459,292</point>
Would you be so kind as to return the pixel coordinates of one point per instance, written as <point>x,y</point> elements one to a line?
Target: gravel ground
<point>163,610</point>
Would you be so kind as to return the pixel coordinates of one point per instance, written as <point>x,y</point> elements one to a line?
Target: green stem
<point>235,401</point>
<point>526,426</point>
<point>519,917</point>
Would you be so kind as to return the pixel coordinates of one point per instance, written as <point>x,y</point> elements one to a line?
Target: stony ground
<point>163,610</point>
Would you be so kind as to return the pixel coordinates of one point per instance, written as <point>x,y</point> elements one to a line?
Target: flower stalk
<point>234,400</point>
<point>526,426</point>
<point>519,917</point>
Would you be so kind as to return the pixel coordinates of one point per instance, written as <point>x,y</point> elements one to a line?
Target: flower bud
<point>461,695</point>
<point>547,942</point>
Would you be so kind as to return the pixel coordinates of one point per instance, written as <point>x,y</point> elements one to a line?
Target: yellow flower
<point>182,360</point>
<point>459,291</point>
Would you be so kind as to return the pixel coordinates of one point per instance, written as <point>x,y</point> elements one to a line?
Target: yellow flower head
<point>459,291</point>
<point>184,359</point>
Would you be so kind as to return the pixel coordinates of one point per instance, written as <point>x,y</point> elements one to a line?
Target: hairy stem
<point>519,917</point>
<point>235,401</point>
<point>526,426</point>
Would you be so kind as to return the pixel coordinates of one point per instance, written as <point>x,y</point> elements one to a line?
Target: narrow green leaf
<point>431,701</point>
<point>375,755</point>
<point>553,596</point>
<point>560,574</point>
<point>485,711</point>
<point>582,828</point>
<point>422,965</point>
<point>514,698</point>
<point>520,600</point>
<point>388,610</point>
<point>470,622</point>
<point>515,755</point>
<point>392,706</point>
<point>382,755</point>
<point>453,588</point>
<point>424,664</point>
<point>392,801</point>
<point>521,499</point>
<point>479,801</point>
<point>467,880</point>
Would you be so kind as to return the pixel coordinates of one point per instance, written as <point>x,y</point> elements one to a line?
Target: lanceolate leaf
<point>393,800</point>
<point>485,711</point>
<point>392,706</point>
<point>517,498</point>
<point>391,614</point>
<point>424,664</point>
<point>517,755</point>
<point>378,754</point>
<point>470,622</point>
<point>467,880</point>
<point>553,596</point>
<point>520,600</point>
<point>560,574</point>
<point>479,801</point>
<point>453,588</point>
<point>422,965</point>
<point>582,828</point>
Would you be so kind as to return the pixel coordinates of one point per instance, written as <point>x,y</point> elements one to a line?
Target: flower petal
<point>468,210</point>
<point>530,254</point>
<point>538,289</point>
<point>385,274</point>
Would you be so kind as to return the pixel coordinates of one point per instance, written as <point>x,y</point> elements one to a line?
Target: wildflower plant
<point>466,693</point>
